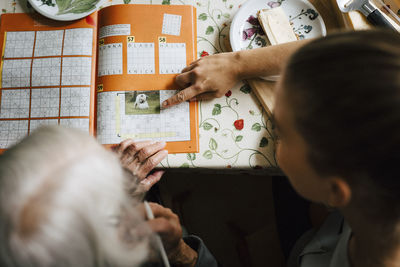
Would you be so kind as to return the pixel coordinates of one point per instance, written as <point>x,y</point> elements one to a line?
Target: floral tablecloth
<point>234,130</point>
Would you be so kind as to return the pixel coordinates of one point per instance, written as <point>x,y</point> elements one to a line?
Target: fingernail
<point>165,103</point>
<point>165,151</point>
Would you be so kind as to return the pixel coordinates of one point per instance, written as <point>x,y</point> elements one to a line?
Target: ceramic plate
<point>66,9</point>
<point>246,32</point>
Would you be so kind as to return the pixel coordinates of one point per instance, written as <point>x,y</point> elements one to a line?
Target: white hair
<point>61,202</point>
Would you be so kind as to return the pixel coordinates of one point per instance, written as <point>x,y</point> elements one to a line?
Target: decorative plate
<point>247,33</point>
<point>66,9</point>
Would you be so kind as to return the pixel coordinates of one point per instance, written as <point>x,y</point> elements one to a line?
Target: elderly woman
<point>67,201</point>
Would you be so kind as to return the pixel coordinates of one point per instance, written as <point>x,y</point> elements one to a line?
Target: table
<point>234,130</point>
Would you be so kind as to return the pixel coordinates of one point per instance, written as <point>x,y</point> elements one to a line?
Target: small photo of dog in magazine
<point>142,102</point>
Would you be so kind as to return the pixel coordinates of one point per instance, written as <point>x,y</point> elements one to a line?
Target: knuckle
<point>134,146</point>
<point>165,225</point>
<point>178,78</point>
<point>181,96</point>
<point>140,174</point>
<point>145,151</point>
<point>155,205</point>
<point>130,151</point>
<point>141,156</point>
<point>197,87</point>
<point>219,94</point>
<point>151,162</point>
<point>124,142</point>
<point>196,71</point>
<point>175,217</point>
<point>168,210</point>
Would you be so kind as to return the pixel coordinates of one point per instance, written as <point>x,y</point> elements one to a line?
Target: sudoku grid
<point>45,80</point>
<point>110,59</point>
<point>19,44</point>
<point>172,24</point>
<point>78,41</point>
<point>141,58</point>
<point>45,102</point>
<point>14,104</point>
<point>75,101</point>
<point>49,43</point>
<point>16,73</point>
<point>76,70</point>
<point>12,131</point>
<point>172,57</point>
<point>46,71</point>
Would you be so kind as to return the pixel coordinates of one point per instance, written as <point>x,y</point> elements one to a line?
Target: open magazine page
<point>47,75</point>
<point>138,60</point>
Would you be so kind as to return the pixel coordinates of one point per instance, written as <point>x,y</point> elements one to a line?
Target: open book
<point>106,74</point>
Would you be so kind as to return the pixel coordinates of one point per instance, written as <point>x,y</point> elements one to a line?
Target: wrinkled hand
<point>167,225</point>
<point>206,78</point>
<point>140,158</point>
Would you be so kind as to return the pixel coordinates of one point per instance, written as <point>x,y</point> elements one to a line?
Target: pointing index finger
<point>181,96</point>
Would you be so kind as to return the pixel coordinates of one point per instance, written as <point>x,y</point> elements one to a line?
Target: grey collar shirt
<point>327,247</point>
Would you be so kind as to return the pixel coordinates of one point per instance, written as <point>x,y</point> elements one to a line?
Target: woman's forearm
<point>264,61</point>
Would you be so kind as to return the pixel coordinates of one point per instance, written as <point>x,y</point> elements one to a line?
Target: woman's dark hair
<point>344,91</point>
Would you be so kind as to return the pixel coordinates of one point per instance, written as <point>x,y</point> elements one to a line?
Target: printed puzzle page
<point>138,61</point>
<point>50,71</point>
<point>47,75</point>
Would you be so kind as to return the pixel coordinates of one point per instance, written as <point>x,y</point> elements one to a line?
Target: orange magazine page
<point>47,74</point>
<point>141,49</point>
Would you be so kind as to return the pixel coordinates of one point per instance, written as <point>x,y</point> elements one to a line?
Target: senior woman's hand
<point>140,158</point>
<point>167,225</point>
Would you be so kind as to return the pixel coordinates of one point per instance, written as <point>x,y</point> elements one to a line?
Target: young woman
<point>337,116</point>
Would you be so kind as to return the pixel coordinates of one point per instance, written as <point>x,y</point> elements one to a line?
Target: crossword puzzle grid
<point>141,59</point>
<point>172,124</point>
<point>172,57</point>
<point>106,114</point>
<point>110,59</point>
<point>172,24</point>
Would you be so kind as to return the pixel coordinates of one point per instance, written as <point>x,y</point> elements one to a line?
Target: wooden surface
<point>334,20</point>
<point>264,91</point>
